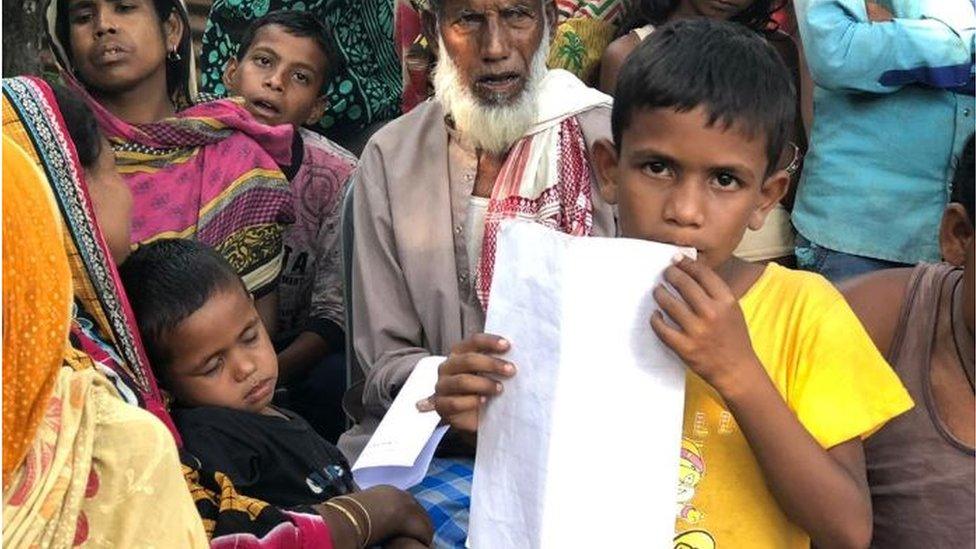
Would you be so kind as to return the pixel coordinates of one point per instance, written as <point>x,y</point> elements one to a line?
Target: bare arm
<point>267,306</point>
<point>303,353</point>
<point>876,298</point>
<point>824,492</point>
<point>391,515</point>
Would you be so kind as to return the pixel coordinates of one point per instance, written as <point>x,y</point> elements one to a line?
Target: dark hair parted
<point>81,124</point>
<point>728,70</point>
<point>177,71</point>
<point>962,181</point>
<point>168,280</point>
<point>303,25</point>
<point>758,16</point>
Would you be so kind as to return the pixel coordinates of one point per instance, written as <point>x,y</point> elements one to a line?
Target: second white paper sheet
<point>582,447</point>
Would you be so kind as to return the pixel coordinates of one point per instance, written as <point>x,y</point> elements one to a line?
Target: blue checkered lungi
<point>446,495</point>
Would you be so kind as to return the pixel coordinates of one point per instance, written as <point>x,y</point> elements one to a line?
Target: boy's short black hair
<point>962,181</point>
<point>758,16</point>
<point>723,67</point>
<point>303,25</point>
<point>81,124</point>
<point>168,280</point>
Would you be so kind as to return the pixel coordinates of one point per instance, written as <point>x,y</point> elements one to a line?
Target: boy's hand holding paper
<point>709,331</point>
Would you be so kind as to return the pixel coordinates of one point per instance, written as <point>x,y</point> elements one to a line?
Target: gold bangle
<point>369,522</point>
<point>352,519</point>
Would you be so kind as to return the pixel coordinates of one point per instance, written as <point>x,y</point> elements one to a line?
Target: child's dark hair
<point>81,124</point>
<point>168,280</point>
<point>962,181</point>
<point>303,25</point>
<point>758,16</point>
<point>728,70</point>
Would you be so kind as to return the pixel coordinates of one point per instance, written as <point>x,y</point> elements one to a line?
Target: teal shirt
<point>893,107</point>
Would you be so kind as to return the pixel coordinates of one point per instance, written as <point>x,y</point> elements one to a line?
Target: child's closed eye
<point>250,336</point>
<point>212,367</point>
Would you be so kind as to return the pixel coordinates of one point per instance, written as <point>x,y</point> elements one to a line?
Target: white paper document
<point>400,450</point>
<point>582,447</point>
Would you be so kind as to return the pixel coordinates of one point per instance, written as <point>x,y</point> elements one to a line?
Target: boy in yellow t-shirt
<point>783,382</point>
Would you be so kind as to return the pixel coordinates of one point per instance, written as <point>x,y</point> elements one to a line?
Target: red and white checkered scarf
<point>546,177</point>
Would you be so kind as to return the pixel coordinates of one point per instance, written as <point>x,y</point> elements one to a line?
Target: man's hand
<point>464,382</point>
<point>711,336</point>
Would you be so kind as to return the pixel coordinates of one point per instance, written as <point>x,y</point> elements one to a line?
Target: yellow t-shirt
<point>832,377</point>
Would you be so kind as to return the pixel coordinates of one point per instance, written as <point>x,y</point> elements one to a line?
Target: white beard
<point>489,127</point>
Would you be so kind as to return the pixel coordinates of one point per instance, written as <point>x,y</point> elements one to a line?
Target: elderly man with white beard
<point>502,137</point>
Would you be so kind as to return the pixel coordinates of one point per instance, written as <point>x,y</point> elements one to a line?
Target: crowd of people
<point>212,296</point>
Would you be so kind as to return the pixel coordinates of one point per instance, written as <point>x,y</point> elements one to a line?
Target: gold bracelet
<point>369,522</point>
<point>352,519</point>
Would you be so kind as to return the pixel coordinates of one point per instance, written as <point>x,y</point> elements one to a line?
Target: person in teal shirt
<point>893,106</point>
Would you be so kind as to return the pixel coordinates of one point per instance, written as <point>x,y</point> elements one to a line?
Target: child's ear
<point>230,75</point>
<point>605,158</point>
<point>773,190</point>
<point>955,234</point>
<point>318,109</point>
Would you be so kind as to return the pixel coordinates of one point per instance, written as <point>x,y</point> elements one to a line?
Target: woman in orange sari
<point>79,464</point>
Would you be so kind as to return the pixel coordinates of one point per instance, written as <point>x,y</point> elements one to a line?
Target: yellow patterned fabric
<point>99,473</point>
<point>36,302</point>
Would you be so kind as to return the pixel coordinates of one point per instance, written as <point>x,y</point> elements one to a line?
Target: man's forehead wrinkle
<point>480,6</point>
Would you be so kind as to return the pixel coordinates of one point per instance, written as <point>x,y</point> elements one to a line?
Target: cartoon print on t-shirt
<point>690,473</point>
<point>694,539</point>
